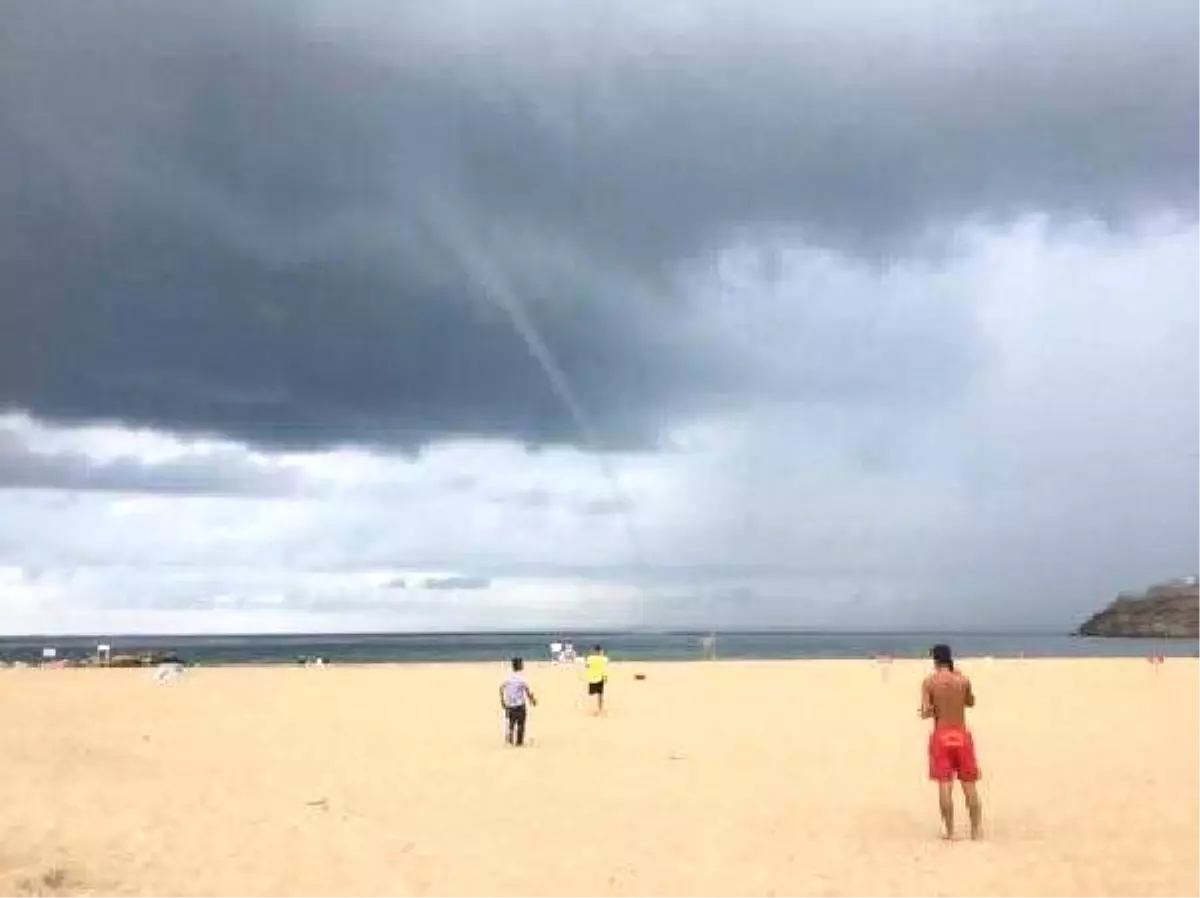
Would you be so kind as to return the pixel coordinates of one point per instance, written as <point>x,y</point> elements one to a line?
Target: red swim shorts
<point>951,754</point>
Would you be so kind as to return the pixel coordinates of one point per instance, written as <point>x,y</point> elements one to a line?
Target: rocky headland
<point>1168,610</point>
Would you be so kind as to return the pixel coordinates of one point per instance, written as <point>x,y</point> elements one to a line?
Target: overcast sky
<point>703,312</point>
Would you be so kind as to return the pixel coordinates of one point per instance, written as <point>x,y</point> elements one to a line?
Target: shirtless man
<point>945,696</point>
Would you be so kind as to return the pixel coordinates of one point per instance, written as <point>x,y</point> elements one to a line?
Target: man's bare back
<point>946,695</point>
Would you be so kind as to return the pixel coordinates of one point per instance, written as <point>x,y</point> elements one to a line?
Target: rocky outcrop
<point>1168,610</point>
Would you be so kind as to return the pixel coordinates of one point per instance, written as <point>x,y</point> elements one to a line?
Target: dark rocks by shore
<point>145,659</point>
<point>1168,610</point>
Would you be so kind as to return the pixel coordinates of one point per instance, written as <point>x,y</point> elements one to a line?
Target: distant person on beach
<point>596,668</point>
<point>945,696</point>
<point>514,694</point>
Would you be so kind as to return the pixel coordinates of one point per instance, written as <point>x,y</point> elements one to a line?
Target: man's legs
<point>515,732</point>
<point>968,775</point>
<point>941,771</point>
<point>519,725</point>
<point>973,808</point>
<point>946,806</point>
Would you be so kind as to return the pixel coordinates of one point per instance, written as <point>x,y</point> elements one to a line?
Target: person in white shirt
<point>514,694</point>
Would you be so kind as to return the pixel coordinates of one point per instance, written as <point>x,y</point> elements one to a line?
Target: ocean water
<point>646,646</point>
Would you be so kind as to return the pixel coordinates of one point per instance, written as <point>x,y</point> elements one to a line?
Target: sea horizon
<point>534,631</point>
<point>675,644</point>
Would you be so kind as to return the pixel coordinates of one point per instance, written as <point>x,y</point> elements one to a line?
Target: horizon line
<point>564,632</point>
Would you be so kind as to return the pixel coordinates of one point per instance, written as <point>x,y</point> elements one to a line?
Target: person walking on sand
<point>945,696</point>
<point>596,671</point>
<point>514,693</point>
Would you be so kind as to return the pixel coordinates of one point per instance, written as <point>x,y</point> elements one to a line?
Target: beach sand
<point>727,778</point>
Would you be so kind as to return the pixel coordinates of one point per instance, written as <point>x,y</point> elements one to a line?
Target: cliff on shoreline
<point>1168,610</point>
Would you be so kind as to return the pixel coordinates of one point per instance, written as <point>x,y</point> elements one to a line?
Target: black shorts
<point>515,715</point>
<point>596,688</point>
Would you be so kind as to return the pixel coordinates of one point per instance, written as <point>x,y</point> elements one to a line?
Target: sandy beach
<point>756,778</point>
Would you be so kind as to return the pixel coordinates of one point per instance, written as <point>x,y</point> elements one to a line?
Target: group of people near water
<point>946,694</point>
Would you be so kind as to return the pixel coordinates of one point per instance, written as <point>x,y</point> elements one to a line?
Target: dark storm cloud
<point>220,217</point>
<point>213,473</point>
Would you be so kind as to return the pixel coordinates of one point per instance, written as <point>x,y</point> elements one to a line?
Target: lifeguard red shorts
<point>952,754</point>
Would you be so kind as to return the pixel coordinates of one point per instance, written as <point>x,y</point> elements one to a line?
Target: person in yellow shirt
<point>596,668</point>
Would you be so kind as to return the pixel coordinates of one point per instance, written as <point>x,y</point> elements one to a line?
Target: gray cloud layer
<point>212,473</point>
<point>258,220</point>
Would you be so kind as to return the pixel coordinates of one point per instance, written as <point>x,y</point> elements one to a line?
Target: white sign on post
<point>49,653</point>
